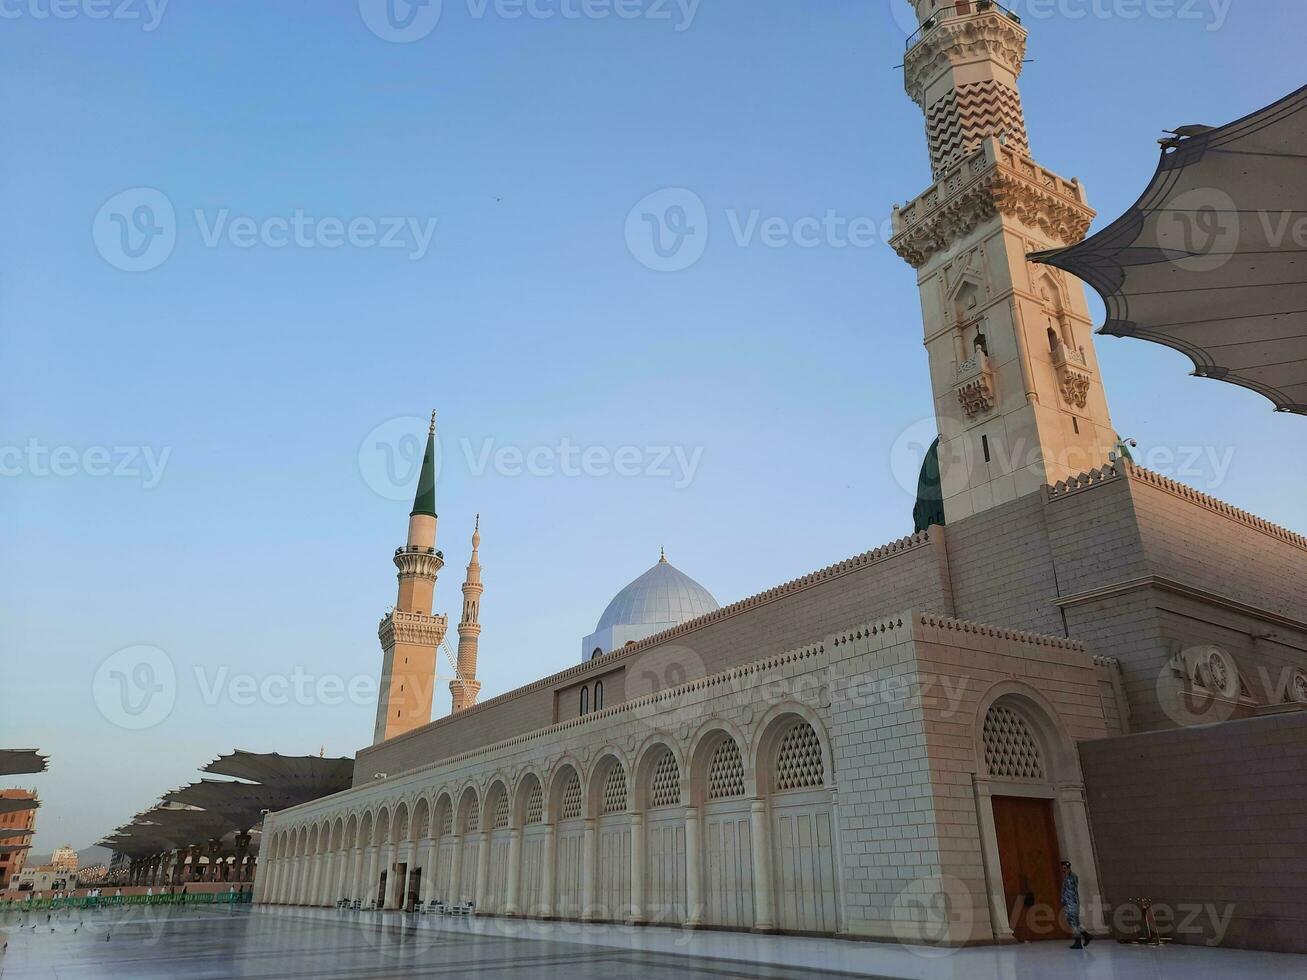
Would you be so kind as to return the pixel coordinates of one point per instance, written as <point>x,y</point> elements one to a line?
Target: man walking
<point>1071,905</point>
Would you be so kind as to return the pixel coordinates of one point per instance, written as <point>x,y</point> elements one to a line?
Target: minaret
<point>411,634</point>
<point>465,686</point>
<point>1017,392</point>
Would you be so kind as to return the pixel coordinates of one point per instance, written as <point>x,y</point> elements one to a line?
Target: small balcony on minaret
<point>953,9</point>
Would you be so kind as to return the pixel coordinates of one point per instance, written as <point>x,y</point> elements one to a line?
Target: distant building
<point>11,862</point>
<point>45,878</point>
<point>64,858</point>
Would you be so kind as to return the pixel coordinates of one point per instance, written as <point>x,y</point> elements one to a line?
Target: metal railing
<point>959,8</point>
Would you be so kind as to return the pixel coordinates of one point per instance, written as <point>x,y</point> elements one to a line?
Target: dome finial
<point>432,431</point>
<point>662,555</point>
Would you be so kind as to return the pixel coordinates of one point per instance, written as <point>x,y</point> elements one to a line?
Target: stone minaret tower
<point>411,634</point>
<point>1017,391</point>
<point>465,685</point>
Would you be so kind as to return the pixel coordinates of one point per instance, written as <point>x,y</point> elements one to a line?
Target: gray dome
<point>661,596</point>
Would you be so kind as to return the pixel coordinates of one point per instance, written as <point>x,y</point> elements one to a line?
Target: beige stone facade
<point>814,758</point>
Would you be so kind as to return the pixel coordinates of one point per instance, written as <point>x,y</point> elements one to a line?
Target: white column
<point>638,851</point>
<point>428,848</point>
<point>370,874</point>
<point>547,904</point>
<point>483,871</point>
<point>764,918</point>
<point>262,884</point>
<point>514,871</point>
<point>456,870</point>
<point>315,880</point>
<point>1073,817</point>
<point>388,866</point>
<point>841,901</point>
<point>693,882</point>
<point>355,874</point>
<point>589,851</point>
<point>998,917</point>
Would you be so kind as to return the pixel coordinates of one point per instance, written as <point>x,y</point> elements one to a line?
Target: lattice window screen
<point>726,772</point>
<point>572,797</point>
<point>473,817</point>
<point>798,760</point>
<point>666,786</point>
<point>615,790</point>
<point>422,823</point>
<point>1011,750</point>
<point>501,812</point>
<point>535,804</point>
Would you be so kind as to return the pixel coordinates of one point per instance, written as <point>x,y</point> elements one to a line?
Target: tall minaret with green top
<point>411,633</point>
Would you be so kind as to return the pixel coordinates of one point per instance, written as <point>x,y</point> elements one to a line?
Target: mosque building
<point>905,744</point>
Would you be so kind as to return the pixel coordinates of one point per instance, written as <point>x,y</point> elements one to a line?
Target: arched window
<point>597,653</point>
<point>725,772</point>
<point>798,759</point>
<point>665,789</point>
<point>585,700</point>
<point>1011,749</point>
<point>599,695</point>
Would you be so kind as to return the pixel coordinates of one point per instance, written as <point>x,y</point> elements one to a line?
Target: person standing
<point>1071,905</point>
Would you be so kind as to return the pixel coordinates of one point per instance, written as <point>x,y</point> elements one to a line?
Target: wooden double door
<point>1032,877</point>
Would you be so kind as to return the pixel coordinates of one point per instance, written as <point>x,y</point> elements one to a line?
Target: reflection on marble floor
<point>289,944</point>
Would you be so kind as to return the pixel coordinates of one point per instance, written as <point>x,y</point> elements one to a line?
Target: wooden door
<point>1028,854</point>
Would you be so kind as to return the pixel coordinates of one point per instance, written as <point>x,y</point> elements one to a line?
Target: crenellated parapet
<point>398,626</point>
<point>994,181</point>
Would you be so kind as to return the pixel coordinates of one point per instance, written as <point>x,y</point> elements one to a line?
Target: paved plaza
<point>304,943</point>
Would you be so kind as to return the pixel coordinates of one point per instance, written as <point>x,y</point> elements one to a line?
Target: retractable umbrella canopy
<point>15,761</point>
<point>1212,259</point>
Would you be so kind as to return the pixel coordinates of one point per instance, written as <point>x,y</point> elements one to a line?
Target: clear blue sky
<point>265,546</point>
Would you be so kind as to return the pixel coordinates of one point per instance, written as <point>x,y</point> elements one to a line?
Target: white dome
<point>663,596</point>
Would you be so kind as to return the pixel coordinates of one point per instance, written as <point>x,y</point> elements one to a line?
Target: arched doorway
<point>1030,801</point>
<point>793,768</point>
<point>570,843</point>
<point>613,871</point>
<point>498,809</point>
<point>660,799</point>
<point>468,827</point>
<point>727,841</point>
<point>444,832</point>
<point>531,818</point>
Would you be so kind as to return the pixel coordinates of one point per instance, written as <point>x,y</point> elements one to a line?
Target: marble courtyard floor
<point>289,944</point>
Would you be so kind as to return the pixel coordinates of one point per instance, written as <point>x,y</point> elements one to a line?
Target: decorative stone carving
<point>1073,374</point>
<point>958,121</point>
<point>974,383</point>
<point>997,181</point>
<point>407,627</point>
<point>423,564</point>
<point>955,41</point>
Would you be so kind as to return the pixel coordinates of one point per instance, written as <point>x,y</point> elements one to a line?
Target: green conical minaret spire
<point>425,501</point>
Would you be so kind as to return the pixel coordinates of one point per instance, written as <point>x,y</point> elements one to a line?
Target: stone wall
<point>1210,822</point>
<point>912,571</point>
<point>899,756</point>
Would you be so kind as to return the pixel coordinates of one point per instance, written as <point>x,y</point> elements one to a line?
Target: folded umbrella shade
<point>1212,258</point>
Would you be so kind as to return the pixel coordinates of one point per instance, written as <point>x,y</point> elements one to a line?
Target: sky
<point>250,246</point>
